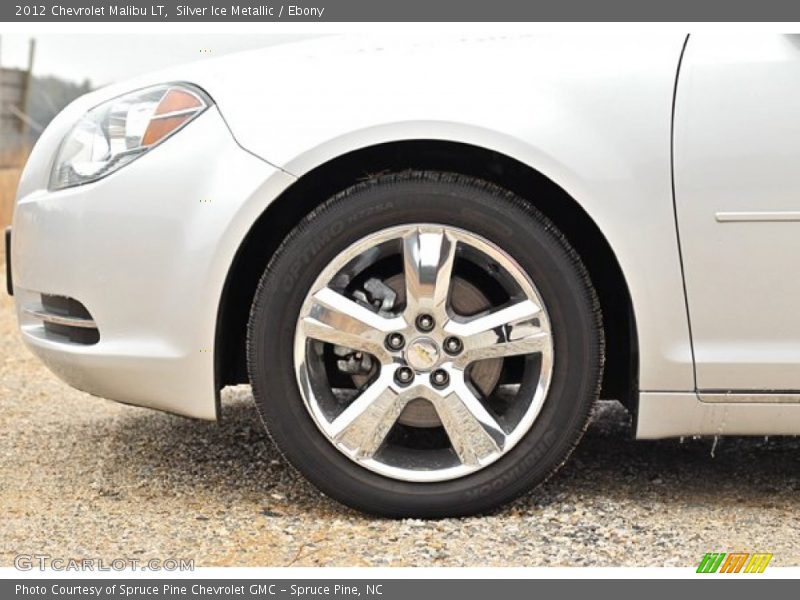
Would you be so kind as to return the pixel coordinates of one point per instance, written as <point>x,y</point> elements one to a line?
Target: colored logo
<point>734,562</point>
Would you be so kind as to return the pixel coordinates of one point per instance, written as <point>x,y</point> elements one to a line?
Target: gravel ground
<point>85,477</point>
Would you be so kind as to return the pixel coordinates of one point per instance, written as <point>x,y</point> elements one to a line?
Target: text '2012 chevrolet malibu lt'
<point>430,258</point>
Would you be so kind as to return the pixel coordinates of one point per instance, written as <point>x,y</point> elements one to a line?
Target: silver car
<point>430,257</point>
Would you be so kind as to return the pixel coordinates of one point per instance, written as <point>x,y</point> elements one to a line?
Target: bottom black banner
<point>386,589</point>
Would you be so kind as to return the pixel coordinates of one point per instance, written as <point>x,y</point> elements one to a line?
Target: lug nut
<point>395,341</point>
<point>425,322</point>
<point>404,375</point>
<point>440,378</point>
<point>453,345</point>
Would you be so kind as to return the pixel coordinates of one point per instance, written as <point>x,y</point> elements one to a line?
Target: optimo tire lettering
<point>314,247</point>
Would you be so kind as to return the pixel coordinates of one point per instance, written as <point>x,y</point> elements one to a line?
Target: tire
<point>463,204</point>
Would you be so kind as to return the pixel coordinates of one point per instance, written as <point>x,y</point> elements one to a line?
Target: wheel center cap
<point>422,354</point>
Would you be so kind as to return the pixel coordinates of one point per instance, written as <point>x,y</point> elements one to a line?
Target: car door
<point>737,193</point>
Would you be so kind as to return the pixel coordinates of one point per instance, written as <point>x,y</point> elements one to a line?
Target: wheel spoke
<point>335,319</point>
<point>474,433</point>
<point>507,332</point>
<point>428,256</point>
<point>364,424</point>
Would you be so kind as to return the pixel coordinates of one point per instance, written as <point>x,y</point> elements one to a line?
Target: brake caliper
<point>378,297</point>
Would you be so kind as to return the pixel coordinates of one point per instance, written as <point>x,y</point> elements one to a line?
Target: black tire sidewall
<point>481,209</point>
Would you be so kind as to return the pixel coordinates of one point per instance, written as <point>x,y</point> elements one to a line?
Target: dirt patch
<point>85,477</point>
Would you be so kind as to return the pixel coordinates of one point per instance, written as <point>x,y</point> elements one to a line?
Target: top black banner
<point>186,11</point>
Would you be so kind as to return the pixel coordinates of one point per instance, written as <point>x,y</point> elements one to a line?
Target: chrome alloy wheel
<point>404,381</point>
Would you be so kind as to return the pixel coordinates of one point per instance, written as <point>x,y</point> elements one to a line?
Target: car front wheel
<point>425,344</point>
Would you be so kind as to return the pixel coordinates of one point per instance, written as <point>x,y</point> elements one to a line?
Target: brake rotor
<point>465,299</point>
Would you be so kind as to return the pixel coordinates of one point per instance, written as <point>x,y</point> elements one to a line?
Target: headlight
<point>117,132</point>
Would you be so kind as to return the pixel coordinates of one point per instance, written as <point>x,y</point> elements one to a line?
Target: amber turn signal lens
<point>175,108</point>
<point>178,100</point>
<point>158,129</point>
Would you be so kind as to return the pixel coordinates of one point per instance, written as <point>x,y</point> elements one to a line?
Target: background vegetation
<point>48,96</point>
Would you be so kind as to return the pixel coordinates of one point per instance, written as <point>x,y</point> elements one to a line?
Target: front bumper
<point>146,251</point>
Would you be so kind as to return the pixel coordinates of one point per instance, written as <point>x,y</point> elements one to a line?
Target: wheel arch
<point>620,379</point>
